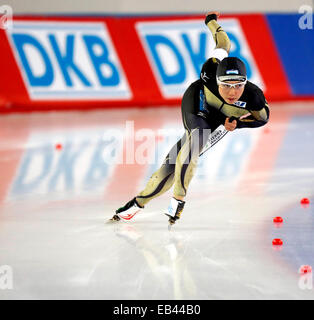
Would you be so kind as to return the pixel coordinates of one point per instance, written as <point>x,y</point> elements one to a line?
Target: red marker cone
<point>278,222</point>
<point>305,269</point>
<point>305,201</point>
<point>277,242</point>
<point>58,146</point>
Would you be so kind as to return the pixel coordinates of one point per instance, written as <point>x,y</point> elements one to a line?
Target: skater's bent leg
<point>187,160</point>
<point>197,131</point>
<point>161,180</point>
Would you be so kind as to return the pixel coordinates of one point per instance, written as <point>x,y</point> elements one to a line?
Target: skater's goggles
<point>228,86</point>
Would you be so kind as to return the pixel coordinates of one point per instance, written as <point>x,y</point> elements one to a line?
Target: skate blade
<point>114,219</point>
<point>171,223</point>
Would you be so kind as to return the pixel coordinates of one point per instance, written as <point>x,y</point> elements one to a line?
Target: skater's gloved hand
<point>211,15</point>
<point>230,124</point>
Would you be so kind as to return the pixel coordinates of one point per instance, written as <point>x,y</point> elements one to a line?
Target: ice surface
<point>54,204</point>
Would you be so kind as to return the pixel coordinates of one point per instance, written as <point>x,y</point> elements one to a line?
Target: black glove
<point>233,118</point>
<point>210,17</point>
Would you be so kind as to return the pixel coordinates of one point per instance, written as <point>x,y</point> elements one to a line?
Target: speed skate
<point>127,212</point>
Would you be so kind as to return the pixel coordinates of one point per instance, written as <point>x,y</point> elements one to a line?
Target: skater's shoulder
<point>209,68</point>
<point>253,89</point>
<point>254,95</point>
<point>211,65</point>
<point>197,84</point>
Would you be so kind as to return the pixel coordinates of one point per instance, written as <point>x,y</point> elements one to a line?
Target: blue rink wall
<point>294,39</point>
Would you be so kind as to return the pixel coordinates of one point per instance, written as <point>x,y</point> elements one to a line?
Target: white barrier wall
<point>153,6</point>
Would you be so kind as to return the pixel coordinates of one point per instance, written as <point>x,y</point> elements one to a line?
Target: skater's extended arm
<point>250,118</point>
<point>256,119</point>
<point>253,119</point>
<point>220,36</point>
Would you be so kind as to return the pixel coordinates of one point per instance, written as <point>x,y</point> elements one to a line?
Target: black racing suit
<point>203,111</point>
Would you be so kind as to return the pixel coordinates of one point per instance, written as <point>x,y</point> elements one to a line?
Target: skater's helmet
<point>231,69</point>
